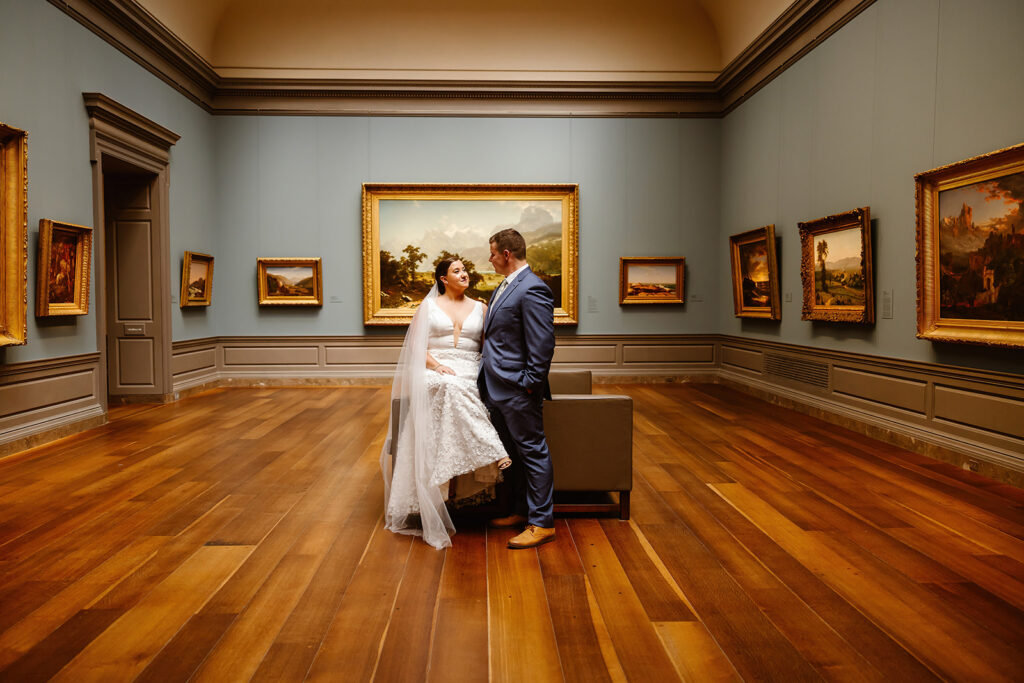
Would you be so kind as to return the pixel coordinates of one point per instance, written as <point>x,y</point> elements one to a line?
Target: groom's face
<point>501,260</point>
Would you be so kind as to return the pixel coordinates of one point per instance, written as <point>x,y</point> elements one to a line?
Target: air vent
<point>797,369</point>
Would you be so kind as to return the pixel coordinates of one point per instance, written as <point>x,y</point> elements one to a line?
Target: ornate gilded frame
<point>189,299</point>
<point>772,309</point>
<point>858,219</point>
<point>649,293</point>
<point>47,271</point>
<point>268,298</point>
<point>986,168</point>
<point>13,236</point>
<point>566,298</point>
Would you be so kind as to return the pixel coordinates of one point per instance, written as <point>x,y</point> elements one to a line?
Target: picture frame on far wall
<point>13,236</point>
<point>836,268</point>
<point>196,279</point>
<point>755,274</point>
<point>970,250</point>
<point>63,270</point>
<point>289,282</point>
<point>408,228</point>
<point>651,280</point>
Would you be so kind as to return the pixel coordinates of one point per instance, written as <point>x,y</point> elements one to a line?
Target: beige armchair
<point>591,441</point>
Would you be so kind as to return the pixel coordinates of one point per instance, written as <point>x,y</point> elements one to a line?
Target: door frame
<point>117,131</point>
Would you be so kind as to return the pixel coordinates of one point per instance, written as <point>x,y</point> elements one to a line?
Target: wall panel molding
<point>972,418</point>
<point>44,400</point>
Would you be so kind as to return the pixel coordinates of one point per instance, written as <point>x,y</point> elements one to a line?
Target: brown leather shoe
<point>532,537</point>
<point>510,522</point>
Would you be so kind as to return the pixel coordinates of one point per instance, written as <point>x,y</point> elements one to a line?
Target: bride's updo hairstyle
<point>441,271</point>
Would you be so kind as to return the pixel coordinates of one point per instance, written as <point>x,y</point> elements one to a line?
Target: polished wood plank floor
<point>236,535</point>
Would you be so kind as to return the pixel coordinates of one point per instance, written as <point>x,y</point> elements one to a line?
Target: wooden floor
<point>236,535</point>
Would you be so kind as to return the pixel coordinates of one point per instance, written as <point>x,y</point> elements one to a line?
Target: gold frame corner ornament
<point>267,299</point>
<point>83,268</point>
<point>773,311</point>
<point>857,218</point>
<point>375,314</point>
<point>928,185</point>
<point>13,236</point>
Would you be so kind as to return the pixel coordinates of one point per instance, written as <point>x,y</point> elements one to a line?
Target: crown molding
<point>130,28</point>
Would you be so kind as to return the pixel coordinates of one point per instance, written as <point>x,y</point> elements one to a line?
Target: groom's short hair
<point>510,239</point>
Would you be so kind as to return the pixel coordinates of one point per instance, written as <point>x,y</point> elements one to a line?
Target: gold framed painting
<point>196,279</point>
<point>62,277</point>
<point>970,250</point>
<point>835,268</point>
<point>409,228</point>
<point>289,282</point>
<point>755,274</point>
<point>651,280</point>
<point>13,236</point>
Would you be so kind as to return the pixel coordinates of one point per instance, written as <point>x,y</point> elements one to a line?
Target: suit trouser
<point>519,421</point>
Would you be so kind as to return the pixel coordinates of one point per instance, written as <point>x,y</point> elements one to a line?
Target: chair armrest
<point>591,441</point>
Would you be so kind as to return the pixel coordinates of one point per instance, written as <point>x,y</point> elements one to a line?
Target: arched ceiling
<point>529,40</point>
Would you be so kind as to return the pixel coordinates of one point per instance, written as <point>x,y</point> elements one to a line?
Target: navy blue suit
<point>519,340</point>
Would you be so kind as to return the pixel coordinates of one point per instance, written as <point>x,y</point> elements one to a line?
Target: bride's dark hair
<point>442,269</point>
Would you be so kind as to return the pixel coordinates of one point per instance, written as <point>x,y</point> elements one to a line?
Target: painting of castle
<point>981,250</point>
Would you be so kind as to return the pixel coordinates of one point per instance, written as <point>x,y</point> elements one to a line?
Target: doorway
<point>137,348</point>
<point>130,158</point>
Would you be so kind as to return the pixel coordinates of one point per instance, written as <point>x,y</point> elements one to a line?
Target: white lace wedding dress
<point>463,449</point>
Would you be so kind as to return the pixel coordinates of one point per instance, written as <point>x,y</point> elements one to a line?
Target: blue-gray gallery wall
<point>47,61</point>
<point>291,186</point>
<point>907,86</point>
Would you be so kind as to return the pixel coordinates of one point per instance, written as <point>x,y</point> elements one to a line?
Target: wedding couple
<point>468,391</point>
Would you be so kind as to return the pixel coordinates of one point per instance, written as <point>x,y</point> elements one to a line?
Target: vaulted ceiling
<point>602,40</point>
<point>466,57</point>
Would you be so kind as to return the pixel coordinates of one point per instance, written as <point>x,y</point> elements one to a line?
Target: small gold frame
<point>282,289</point>
<point>847,284</point>
<point>759,299</point>
<point>65,260</point>
<point>664,283</point>
<point>196,291</point>
<point>13,236</point>
<point>986,171</point>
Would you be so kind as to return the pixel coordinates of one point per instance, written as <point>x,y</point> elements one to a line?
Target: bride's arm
<point>433,364</point>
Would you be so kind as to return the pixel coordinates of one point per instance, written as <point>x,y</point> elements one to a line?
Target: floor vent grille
<point>797,369</point>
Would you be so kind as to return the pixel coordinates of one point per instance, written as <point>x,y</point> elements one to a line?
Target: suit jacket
<point>519,340</point>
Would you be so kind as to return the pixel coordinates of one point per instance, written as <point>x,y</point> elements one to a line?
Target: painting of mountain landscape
<point>839,276</point>
<point>981,250</point>
<point>415,235</point>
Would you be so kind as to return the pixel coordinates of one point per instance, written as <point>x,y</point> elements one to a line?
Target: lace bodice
<point>442,329</point>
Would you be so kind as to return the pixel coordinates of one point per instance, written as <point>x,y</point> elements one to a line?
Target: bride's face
<point>457,279</point>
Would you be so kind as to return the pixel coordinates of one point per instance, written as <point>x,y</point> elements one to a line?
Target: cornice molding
<point>134,31</point>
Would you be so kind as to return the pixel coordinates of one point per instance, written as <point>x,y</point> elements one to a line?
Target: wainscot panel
<point>44,400</point>
<point>998,414</point>
<point>742,358</point>
<point>878,388</point>
<point>271,356</point>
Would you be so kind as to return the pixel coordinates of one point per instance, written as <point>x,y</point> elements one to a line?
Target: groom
<point>519,340</point>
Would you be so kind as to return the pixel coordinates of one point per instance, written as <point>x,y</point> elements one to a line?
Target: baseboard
<point>43,432</point>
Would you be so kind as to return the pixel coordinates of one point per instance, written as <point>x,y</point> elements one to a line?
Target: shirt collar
<point>511,277</point>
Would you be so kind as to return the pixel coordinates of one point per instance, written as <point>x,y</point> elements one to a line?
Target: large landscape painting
<point>409,229</point>
<point>981,250</point>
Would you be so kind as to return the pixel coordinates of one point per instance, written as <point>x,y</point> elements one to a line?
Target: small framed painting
<point>196,279</point>
<point>651,280</point>
<point>755,274</point>
<point>62,278</point>
<point>289,282</point>
<point>970,250</point>
<point>835,267</point>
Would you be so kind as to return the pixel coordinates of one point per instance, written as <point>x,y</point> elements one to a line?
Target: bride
<point>446,445</point>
